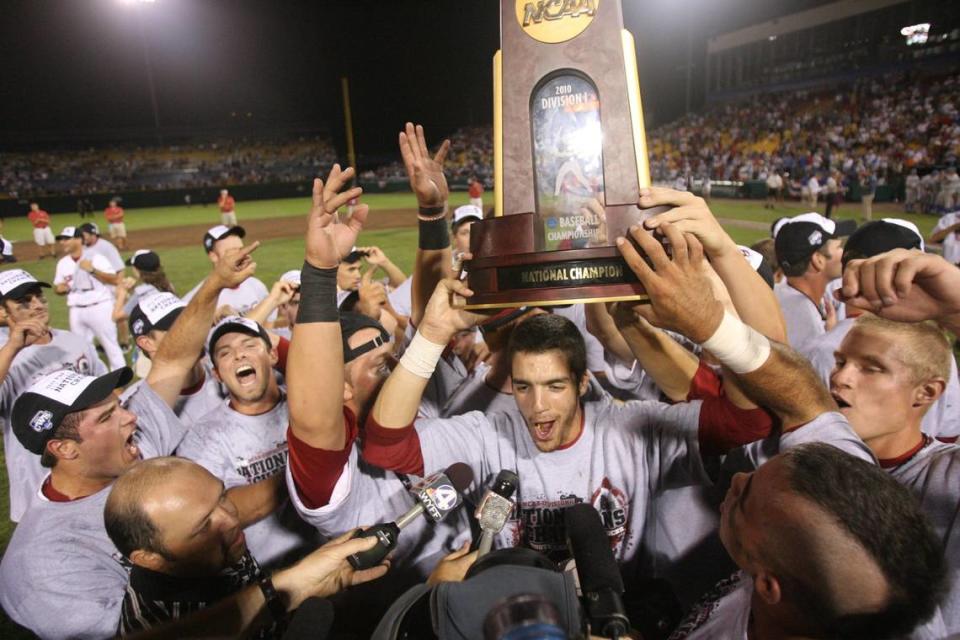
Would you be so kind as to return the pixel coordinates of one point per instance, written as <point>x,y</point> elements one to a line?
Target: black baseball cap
<point>90,227</point>
<point>40,409</point>
<point>158,311</point>
<point>144,260</point>
<point>218,233</point>
<point>353,256</point>
<point>797,238</point>
<point>350,323</point>
<point>881,236</point>
<point>15,283</point>
<point>236,324</point>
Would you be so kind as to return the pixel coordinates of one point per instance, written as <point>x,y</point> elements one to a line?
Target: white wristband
<point>421,356</point>
<point>739,347</point>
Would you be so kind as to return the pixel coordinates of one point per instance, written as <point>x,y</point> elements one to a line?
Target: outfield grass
<point>188,265</point>
<point>19,230</point>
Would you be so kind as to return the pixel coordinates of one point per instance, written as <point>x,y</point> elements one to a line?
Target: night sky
<point>73,70</point>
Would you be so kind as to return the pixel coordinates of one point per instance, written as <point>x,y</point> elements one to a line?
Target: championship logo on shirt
<point>263,465</point>
<point>542,526</point>
<point>611,504</point>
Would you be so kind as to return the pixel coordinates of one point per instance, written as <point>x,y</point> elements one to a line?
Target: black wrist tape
<point>318,295</point>
<point>434,234</point>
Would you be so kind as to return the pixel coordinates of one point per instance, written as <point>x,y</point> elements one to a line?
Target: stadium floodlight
<point>916,33</point>
<point>137,1</point>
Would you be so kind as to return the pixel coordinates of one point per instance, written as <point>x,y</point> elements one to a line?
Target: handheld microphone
<point>600,580</point>
<point>437,495</point>
<point>495,509</point>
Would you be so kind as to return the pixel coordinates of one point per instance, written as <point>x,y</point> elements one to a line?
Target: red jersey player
<point>228,216</point>
<point>42,234</point>
<point>118,230</point>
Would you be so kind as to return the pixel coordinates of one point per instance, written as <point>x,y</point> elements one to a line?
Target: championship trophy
<point>570,158</point>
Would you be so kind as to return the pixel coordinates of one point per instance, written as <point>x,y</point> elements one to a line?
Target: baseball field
<point>175,233</point>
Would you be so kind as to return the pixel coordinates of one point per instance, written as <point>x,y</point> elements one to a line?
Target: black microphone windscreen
<point>311,621</point>
<point>596,566</point>
<point>506,483</point>
<point>461,475</point>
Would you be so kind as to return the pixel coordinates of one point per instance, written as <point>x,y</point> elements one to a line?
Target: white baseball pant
<point>96,321</point>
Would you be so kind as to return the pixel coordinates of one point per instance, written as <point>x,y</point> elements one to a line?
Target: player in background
<point>32,350</point>
<point>94,244</point>
<point>228,214</point>
<point>241,299</point>
<point>6,251</point>
<point>42,234</point>
<point>118,230</point>
<point>85,278</point>
<point>475,191</point>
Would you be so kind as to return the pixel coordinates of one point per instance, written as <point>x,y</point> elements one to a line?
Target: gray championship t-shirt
<point>241,450</point>
<point>803,316</point>
<point>61,577</point>
<point>625,453</point>
<point>65,351</point>
<point>194,404</point>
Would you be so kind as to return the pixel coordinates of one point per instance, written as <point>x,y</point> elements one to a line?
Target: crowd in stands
<point>470,156</point>
<point>206,164</point>
<point>886,126</point>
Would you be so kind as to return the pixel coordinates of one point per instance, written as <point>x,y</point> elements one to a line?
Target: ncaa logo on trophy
<point>570,158</point>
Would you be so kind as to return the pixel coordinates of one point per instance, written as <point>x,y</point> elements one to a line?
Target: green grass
<point>19,230</point>
<point>187,265</point>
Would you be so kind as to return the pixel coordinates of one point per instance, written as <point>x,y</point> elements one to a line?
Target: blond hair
<point>921,346</point>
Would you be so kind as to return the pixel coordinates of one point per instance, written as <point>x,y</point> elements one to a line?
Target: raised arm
<point>183,344</point>
<point>681,296</point>
<point>19,336</point>
<point>280,293</point>
<point>315,361</point>
<point>399,398</point>
<point>752,298</point>
<point>427,181</point>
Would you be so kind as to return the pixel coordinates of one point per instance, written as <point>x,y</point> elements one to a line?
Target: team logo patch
<point>815,238</point>
<point>42,421</point>
<point>138,327</point>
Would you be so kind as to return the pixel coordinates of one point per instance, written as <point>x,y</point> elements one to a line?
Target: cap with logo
<point>68,233</point>
<point>15,283</point>
<point>465,213</point>
<point>218,233</point>
<point>236,324</point>
<point>158,311</point>
<point>144,260</point>
<point>797,238</point>
<point>351,323</point>
<point>880,236</point>
<point>40,409</point>
<point>6,250</point>
<point>90,227</point>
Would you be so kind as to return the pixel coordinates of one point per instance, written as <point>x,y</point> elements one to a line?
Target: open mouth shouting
<point>843,404</point>
<point>246,374</point>
<point>130,446</point>
<point>543,430</point>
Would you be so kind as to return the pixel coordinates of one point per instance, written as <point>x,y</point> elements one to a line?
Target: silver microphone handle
<point>486,543</point>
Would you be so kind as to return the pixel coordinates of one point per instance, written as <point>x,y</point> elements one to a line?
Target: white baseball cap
<point>16,282</point>
<point>467,211</point>
<point>219,232</point>
<point>292,276</point>
<point>68,232</point>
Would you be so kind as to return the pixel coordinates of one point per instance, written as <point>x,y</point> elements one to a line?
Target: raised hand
<point>282,291</point>
<point>904,285</point>
<point>681,295</point>
<point>441,319</point>
<point>372,296</point>
<point>375,255</point>
<point>690,214</point>
<point>425,173</point>
<point>328,240</point>
<point>235,266</point>
<point>25,333</point>
<point>454,566</point>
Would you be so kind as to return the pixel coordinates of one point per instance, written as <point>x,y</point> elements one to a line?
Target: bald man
<point>173,520</point>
